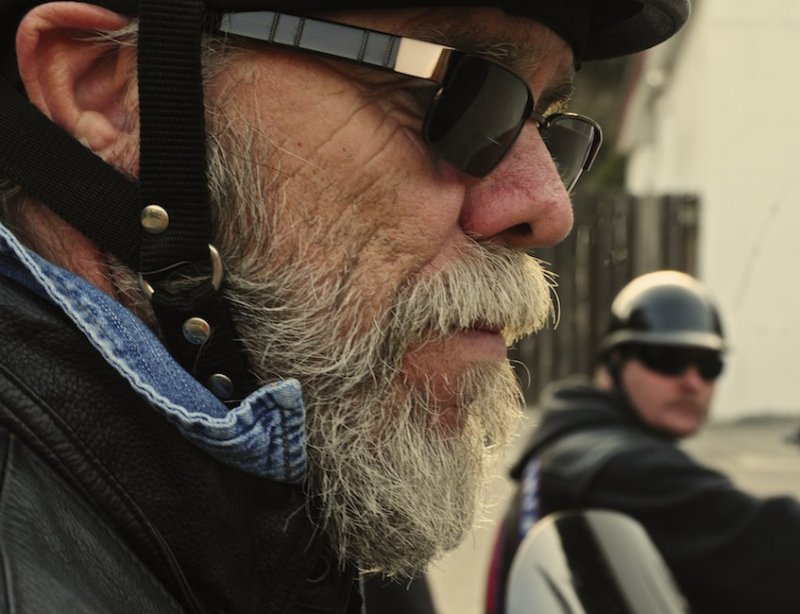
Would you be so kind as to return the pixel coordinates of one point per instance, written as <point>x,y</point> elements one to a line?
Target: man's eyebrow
<point>523,57</point>
<point>555,96</point>
<point>465,37</point>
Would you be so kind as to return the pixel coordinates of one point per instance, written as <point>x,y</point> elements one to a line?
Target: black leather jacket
<point>105,507</point>
<point>730,552</point>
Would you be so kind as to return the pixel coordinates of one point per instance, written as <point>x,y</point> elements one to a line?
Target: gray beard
<point>396,490</point>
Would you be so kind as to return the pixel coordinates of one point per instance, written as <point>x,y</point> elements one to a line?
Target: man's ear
<point>81,84</point>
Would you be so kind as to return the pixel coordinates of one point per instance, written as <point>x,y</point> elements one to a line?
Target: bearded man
<point>258,273</point>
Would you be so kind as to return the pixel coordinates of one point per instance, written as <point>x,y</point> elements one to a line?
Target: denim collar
<point>263,435</point>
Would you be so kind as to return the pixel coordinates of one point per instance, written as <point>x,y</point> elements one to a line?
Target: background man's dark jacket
<point>729,552</point>
<point>105,507</point>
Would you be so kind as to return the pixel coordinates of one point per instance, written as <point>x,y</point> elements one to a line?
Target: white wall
<point>722,126</point>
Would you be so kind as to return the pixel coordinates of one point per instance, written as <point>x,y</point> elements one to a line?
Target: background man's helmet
<point>664,308</point>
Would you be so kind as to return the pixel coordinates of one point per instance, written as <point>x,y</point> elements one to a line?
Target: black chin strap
<point>174,198</point>
<point>161,227</point>
<point>614,363</point>
<point>67,177</point>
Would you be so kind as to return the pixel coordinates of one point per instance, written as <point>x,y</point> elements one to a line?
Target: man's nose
<point>523,202</point>
<point>691,377</point>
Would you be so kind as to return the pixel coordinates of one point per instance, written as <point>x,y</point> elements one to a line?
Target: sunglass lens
<point>573,142</point>
<point>477,115</point>
<point>675,360</point>
<point>711,368</point>
<point>662,359</point>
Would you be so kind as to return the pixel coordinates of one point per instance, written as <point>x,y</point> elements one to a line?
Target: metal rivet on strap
<point>320,571</point>
<point>216,273</point>
<point>155,219</point>
<point>221,385</point>
<point>196,330</point>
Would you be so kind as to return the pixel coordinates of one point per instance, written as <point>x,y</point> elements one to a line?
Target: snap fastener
<point>155,219</point>
<point>319,572</point>
<point>221,385</point>
<point>196,330</point>
<point>216,273</point>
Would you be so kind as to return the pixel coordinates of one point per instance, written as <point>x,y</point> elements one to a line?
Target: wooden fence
<point>615,238</point>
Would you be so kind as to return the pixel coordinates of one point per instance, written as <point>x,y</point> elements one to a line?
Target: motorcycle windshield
<point>590,562</point>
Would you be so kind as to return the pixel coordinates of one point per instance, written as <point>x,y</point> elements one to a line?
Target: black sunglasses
<point>479,109</point>
<point>675,360</point>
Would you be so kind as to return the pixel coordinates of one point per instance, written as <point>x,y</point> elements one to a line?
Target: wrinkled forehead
<point>493,32</point>
<point>525,45</point>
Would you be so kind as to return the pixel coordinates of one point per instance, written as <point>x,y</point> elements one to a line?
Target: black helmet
<point>664,308</point>
<point>113,211</point>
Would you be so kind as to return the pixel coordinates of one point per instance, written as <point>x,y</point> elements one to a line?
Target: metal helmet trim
<point>708,341</point>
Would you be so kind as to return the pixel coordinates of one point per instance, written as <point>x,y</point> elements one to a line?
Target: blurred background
<point>700,172</point>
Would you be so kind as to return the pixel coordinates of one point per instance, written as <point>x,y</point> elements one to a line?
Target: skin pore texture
<point>390,289</point>
<point>388,283</point>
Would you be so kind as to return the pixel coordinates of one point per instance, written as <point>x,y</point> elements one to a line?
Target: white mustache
<point>490,287</point>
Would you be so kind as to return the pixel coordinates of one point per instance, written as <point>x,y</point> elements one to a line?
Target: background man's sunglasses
<point>479,109</point>
<point>675,360</point>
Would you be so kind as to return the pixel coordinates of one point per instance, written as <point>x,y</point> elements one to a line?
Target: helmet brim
<point>695,339</point>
